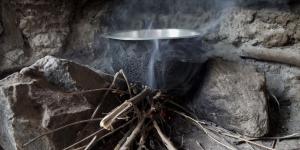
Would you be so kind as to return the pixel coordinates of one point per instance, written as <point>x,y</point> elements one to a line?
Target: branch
<point>104,96</point>
<point>60,128</point>
<point>110,118</point>
<point>90,143</point>
<point>126,80</point>
<point>133,135</point>
<point>98,132</point>
<point>286,56</point>
<point>292,136</point>
<point>117,129</point>
<point>163,137</point>
<point>84,139</point>
<point>117,147</point>
<point>144,136</point>
<point>96,90</point>
<point>248,141</point>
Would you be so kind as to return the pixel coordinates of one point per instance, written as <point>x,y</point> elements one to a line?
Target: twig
<point>126,80</point>
<point>250,146</point>
<point>90,144</point>
<point>275,99</point>
<point>104,96</point>
<point>96,133</point>
<point>60,128</point>
<point>142,141</point>
<point>84,139</point>
<point>243,139</point>
<point>204,130</point>
<point>163,137</point>
<point>96,90</point>
<point>133,135</point>
<point>292,136</point>
<point>115,130</point>
<point>117,147</point>
<point>274,55</point>
<point>183,108</point>
<point>144,136</point>
<point>80,148</point>
<point>110,118</point>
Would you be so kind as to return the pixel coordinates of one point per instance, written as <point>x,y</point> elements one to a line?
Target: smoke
<point>166,64</point>
<point>151,78</point>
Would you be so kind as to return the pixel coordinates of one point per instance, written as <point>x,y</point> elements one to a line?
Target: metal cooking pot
<point>175,62</point>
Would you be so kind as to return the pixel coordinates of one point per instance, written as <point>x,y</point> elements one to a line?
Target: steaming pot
<point>175,65</point>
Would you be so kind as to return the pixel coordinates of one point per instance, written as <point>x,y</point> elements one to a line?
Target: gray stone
<point>35,29</point>
<point>45,24</point>
<point>276,40</point>
<point>233,96</point>
<point>38,99</point>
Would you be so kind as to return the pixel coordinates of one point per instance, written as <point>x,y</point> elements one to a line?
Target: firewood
<point>110,118</point>
<point>285,56</point>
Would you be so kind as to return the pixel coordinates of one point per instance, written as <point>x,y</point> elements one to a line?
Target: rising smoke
<point>160,64</point>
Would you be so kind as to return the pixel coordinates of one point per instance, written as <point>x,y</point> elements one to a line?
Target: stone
<point>39,98</point>
<point>45,24</point>
<point>276,40</point>
<point>283,82</point>
<point>297,35</point>
<point>33,28</point>
<point>233,96</point>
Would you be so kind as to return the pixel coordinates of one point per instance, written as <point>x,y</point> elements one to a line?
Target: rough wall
<point>32,29</point>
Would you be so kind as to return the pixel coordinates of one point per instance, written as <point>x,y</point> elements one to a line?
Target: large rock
<point>38,99</point>
<point>32,30</point>
<point>283,82</point>
<point>233,96</point>
<point>45,24</point>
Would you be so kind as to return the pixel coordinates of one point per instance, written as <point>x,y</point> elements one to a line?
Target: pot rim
<point>152,34</point>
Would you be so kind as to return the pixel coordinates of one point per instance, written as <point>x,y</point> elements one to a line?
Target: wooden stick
<point>166,141</point>
<point>60,128</point>
<point>90,143</point>
<point>115,130</point>
<point>133,135</point>
<point>110,118</point>
<point>126,80</point>
<point>285,56</point>
<point>142,141</point>
<point>80,148</point>
<point>280,138</point>
<point>84,139</point>
<point>243,139</point>
<point>96,90</point>
<point>120,143</point>
<point>96,133</point>
<point>104,96</point>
